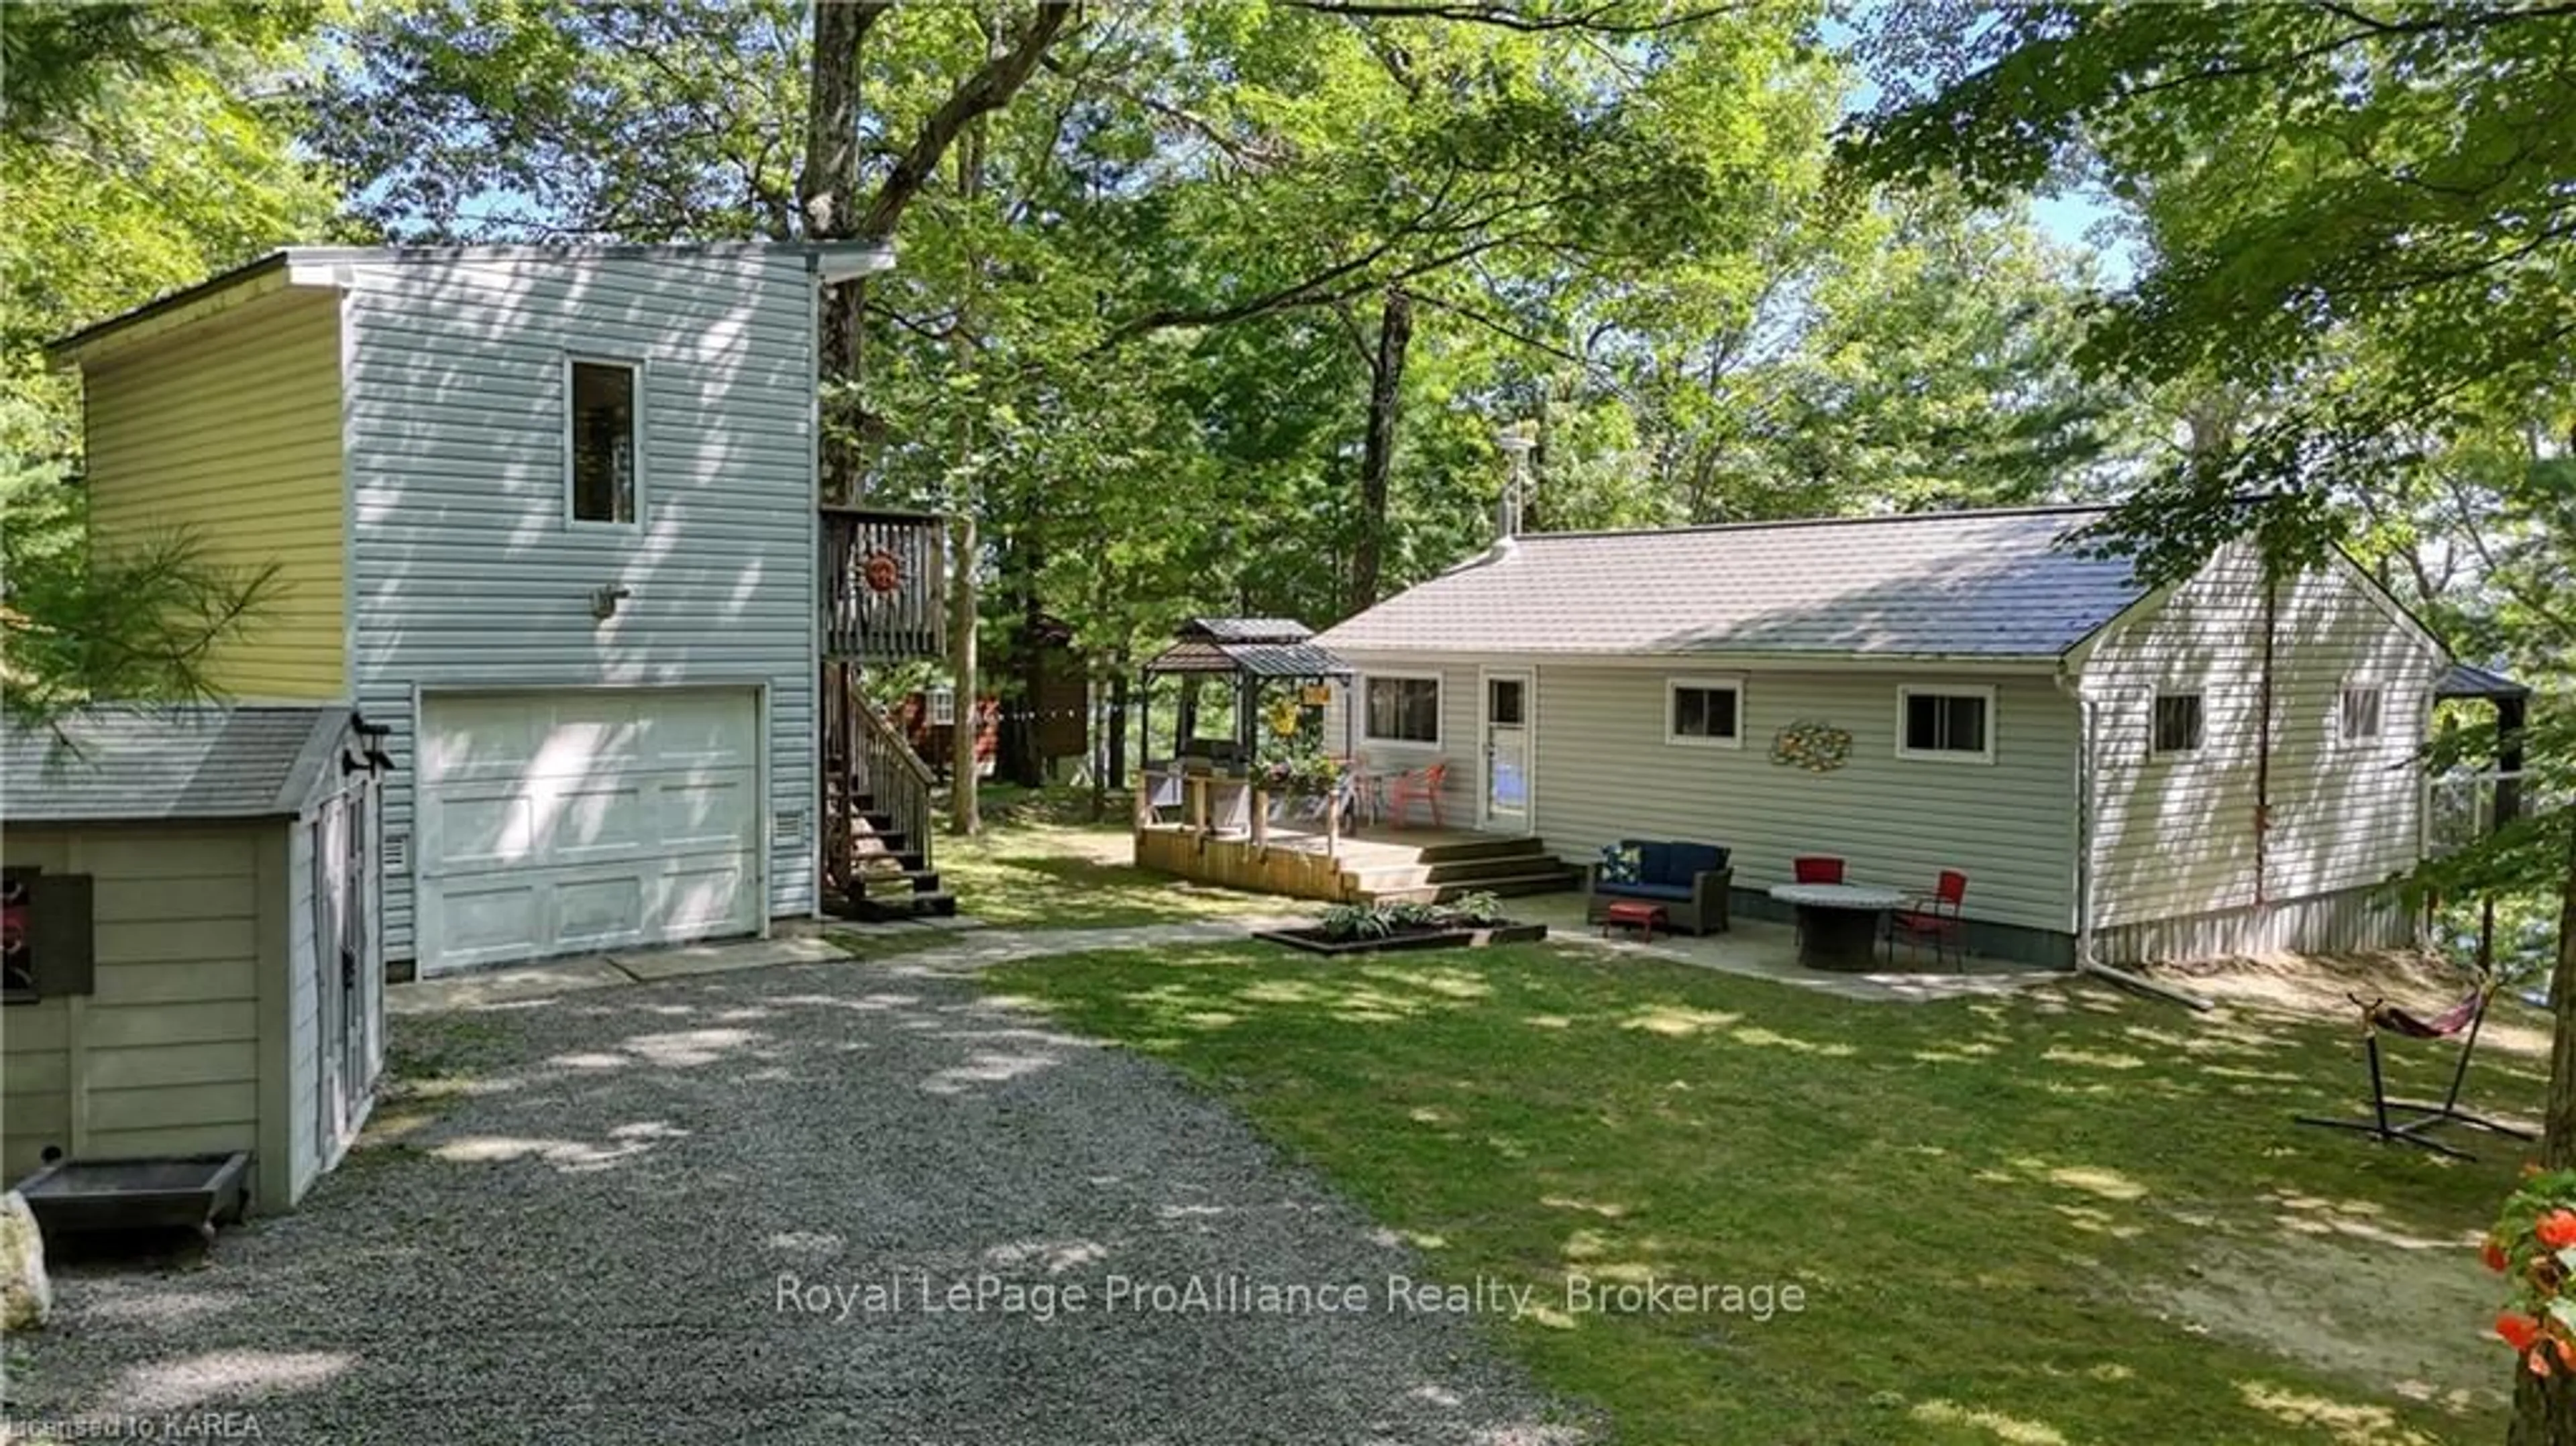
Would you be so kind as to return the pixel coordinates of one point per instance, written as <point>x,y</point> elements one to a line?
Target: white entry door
<point>556,823</point>
<point>1506,715</point>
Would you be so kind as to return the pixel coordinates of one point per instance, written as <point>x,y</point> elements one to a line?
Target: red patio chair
<point>1816,869</point>
<point>1418,783</point>
<point>1933,918</point>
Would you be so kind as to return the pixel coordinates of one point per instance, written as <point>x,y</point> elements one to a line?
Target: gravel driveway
<point>657,1213</point>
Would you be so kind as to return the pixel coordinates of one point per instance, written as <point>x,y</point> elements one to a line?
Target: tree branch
<point>1509,17</point>
<point>987,90</point>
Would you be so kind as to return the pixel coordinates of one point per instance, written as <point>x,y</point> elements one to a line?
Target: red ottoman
<point>1635,914</point>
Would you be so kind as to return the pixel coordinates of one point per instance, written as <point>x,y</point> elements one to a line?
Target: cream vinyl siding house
<point>1991,692</point>
<point>546,515</point>
<point>2279,824</point>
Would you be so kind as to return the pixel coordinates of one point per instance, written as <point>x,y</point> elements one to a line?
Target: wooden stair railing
<point>894,778</point>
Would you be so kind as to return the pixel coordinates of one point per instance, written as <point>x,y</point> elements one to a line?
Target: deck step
<point>900,880</point>
<point>879,908</point>
<point>1452,851</point>
<point>1463,871</point>
<point>1545,882</point>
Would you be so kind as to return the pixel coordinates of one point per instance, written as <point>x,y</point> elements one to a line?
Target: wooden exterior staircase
<point>876,809</point>
<point>882,599</point>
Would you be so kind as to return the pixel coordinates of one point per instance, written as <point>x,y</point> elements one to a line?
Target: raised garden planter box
<point>1441,937</point>
<point>189,1192</point>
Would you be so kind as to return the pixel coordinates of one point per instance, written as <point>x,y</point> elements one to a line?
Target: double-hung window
<point>1704,712</point>
<point>1952,724</point>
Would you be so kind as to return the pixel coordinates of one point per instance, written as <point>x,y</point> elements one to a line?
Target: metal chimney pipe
<point>1516,443</point>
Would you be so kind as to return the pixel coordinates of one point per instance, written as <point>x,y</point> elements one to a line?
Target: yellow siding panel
<point>231,430</point>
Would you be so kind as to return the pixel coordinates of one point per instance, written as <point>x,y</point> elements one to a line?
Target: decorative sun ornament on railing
<point>882,570</point>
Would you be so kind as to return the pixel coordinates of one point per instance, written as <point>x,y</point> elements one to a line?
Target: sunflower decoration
<point>1285,715</point>
<point>1811,745</point>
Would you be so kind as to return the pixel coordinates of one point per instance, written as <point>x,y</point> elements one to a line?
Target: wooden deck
<point>1373,863</point>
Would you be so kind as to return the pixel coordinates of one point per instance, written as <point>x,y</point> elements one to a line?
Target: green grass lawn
<point>2068,1216</point>
<point>1041,864</point>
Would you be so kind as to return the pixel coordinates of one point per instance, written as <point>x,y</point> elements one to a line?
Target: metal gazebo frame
<point>1253,651</point>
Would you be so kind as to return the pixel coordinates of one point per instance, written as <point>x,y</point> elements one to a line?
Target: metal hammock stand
<point>2405,1121</point>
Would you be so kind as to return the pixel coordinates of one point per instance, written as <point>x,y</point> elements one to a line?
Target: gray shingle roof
<point>116,764</point>
<point>1986,585</point>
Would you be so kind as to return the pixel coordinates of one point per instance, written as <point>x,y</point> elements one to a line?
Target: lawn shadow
<point>1987,1198</point>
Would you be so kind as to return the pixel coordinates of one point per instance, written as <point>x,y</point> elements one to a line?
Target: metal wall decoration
<point>882,571</point>
<point>1811,745</point>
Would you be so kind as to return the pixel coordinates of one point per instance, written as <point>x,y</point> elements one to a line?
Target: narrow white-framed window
<point>1704,712</point>
<point>943,707</point>
<point>2175,727</point>
<point>2361,712</point>
<point>1953,723</point>
<point>603,441</point>
<point>1400,708</point>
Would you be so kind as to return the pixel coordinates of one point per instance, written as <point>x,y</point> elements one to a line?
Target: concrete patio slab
<point>724,958</point>
<point>505,986</point>
<point>1760,949</point>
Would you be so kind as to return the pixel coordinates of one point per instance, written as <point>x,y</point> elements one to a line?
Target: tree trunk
<point>2544,1410</point>
<point>1377,448</point>
<point>990,88</point>
<point>828,196</point>
<point>1119,702</point>
<point>1114,773</point>
<point>1028,768</point>
<point>967,814</point>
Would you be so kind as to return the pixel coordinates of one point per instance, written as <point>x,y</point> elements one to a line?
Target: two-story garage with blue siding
<point>549,515</point>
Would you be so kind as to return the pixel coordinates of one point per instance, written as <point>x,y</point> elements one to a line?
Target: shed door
<point>555,823</point>
<point>348,959</point>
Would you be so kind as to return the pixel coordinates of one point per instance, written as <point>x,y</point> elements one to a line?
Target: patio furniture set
<point>1649,884</point>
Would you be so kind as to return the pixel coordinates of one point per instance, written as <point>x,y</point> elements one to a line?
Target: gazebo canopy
<point>1248,647</point>
<point>2467,680</point>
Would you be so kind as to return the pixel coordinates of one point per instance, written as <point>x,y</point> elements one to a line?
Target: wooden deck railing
<point>884,587</point>
<point>1213,804</point>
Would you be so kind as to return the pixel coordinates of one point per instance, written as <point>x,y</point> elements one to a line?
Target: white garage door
<point>554,823</point>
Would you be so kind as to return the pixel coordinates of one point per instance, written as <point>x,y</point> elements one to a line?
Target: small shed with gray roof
<point>194,958</point>
<point>2123,771</point>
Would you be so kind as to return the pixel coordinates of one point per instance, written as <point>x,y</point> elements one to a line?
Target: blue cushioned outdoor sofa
<point>1690,881</point>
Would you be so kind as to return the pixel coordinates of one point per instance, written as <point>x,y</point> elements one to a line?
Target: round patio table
<point>1837,923</point>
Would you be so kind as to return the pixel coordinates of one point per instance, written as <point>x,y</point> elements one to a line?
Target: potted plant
<point>1303,775</point>
<point>2533,1245</point>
